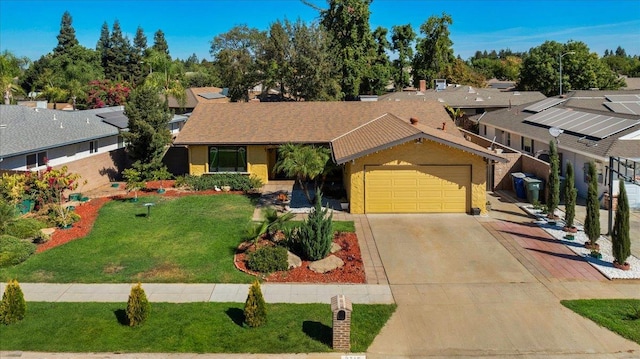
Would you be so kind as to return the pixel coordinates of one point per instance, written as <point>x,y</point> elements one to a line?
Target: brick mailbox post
<point>341,309</point>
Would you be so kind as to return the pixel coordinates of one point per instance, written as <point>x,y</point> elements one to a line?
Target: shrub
<point>621,242</point>
<point>255,308</point>
<point>14,251</point>
<point>13,306</point>
<point>570,194</point>
<point>554,180</point>
<point>316,233</point>
<point>592,219</point>
<point>237,182</point>
<point>138,306</point>
<point>268,259</point>
<point>24,228</point>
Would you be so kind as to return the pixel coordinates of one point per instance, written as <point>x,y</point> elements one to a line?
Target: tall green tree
<point>581,69</point>
<point>377,73</point>
<point>311,77</point>
<point>434,51</point>
<point>592,219</point>
<point>118,53</point>
<point>148,133</point>
<point>347,22</point>
<point>401,39</point>
<point>11,67</point>
<point>67,36</point>
<point>621,241</point>
<point>236,54</point>
<point>140,42</point>
<point>304,162</point>
<point>160,43</point>
<point>570,194</point>
<point>276,58</point>
<point>553,198</point>
<point>104,44</point>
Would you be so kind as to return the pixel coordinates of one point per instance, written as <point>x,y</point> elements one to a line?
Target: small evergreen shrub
<point>268,259</point>
<point>316,233</point>
<point>554,179</point>
<point>592,219</point>
<point>237,182</point>
<point>570,194</point>
<point>621,241</point>
<point>138,306</point>
<point>14,251</point>
<point>24,228</point>
<point>255,308</point>
<point>13,306</point>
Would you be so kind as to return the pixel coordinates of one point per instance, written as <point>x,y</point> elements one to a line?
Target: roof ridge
<point>363,125</point>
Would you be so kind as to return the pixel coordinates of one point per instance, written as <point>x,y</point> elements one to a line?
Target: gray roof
<point>514,120</point>
<point>468,97</point>
<point>26,130</point>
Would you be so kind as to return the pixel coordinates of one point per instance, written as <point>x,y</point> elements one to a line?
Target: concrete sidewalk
<point>182,293</point>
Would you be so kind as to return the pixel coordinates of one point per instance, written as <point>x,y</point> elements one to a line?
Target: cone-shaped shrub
<point>620,239</point>
<point>570,194</point>
<point>592,220</point>
<point>138,306</point>
<point>316,233</point>
<point>554,180</point>
<point>12,307</point>
<point>255,309</point>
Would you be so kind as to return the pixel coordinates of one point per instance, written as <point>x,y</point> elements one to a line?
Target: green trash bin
<point>533,186</point>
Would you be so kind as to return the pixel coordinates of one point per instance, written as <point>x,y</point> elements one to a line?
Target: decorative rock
<point>335,247</point>
<point>326,265</point>
<point>293,261</point>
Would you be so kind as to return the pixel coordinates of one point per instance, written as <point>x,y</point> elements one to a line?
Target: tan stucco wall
<point>198,160</point>
<point>427,153</point>
<point>257,163</point>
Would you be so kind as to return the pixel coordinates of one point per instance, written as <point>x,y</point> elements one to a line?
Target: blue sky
<point>29,28</point>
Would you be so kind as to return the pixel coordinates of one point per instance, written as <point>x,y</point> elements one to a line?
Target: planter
<point>624,266</point>
<point>595,254</point>
<point>133,200</point>
<point>226,188</point>
<point>595,246</point>
<point>66,226</point>
<point>570,229</point>
<point>115,185</point>
<point>344,206</point>
<point>161,190</point>
<point>75,196</point>
<point>26,206</point>
<point>569,237</point>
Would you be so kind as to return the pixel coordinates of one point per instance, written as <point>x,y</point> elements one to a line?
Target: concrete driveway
<point>461,293</point>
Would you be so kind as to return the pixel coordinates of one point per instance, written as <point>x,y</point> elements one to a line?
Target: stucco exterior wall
<point>426,153</point>
<point>257,162</point>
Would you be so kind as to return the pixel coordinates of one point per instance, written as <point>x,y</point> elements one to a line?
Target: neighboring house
<point>596,125</point>
<point>469,99</point>
<point>396,156</point>
<point>81,140</point>
<point>196,95</point>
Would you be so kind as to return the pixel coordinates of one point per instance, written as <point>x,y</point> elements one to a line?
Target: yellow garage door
<point>417,189</point>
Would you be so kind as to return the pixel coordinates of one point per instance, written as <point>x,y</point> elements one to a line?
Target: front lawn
<point>621,316</point>
<point>188,239</point>
<point>186,328</point>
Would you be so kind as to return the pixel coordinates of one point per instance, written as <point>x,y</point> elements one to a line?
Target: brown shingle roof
<point>322,122</point>
<point>192,98</point>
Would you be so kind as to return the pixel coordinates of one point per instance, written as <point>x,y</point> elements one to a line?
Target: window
<point>508,139</point>
<point>527,145</point>
<point>484,130</point>
<point>227,159</point>
<point>93,146</point>
<point>36,159</point>
<point>121,142</point>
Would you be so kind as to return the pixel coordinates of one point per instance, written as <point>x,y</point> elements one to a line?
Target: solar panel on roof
<point>113,114</point>
<point>623,98</point>
<point>630,108</point>
<point>210,95</point>
<point>584,123</point>
<point>545,104</point>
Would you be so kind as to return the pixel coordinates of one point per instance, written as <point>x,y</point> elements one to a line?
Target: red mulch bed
<point>351,272</point>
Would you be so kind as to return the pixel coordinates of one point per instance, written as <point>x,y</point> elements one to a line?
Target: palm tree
<point>303,162</point>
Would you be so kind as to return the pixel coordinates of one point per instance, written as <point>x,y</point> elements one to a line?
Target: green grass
<point>186,328</point>
<point>621,316</point>
<point>189,239</point>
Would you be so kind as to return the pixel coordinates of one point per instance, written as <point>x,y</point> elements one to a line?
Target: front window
<point>93,146</point>
<point>36,160</point>
<point>227,159</point>
<point>509,139</point>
